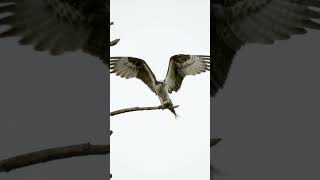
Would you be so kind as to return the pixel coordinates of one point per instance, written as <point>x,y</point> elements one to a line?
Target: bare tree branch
<point>214,141</point>
<point>52,154</point>
<point>138,109</point>
<point>114,42</point>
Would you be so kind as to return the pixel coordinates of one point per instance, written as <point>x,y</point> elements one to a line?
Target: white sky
<point>153,144</point>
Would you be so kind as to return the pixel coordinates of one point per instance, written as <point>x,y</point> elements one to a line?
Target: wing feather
<point>237,22</point>
<point>265,21</point>
<point>130,67</point>
<point>182,65</point>
<point>57,26</point>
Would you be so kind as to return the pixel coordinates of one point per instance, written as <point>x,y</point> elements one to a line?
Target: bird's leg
<point>162,104</point>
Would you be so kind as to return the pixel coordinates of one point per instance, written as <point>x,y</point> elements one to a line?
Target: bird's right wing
<point>130,67</point>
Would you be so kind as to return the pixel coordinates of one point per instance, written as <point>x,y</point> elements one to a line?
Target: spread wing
<point>264,21</point>
<point>130,67</point>
<point>58,26</point>
<point>182,65</point>
<point>237,22</point>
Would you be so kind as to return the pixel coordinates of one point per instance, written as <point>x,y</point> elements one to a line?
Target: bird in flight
<point>235,23</point>
<point>59,26</point>
<point>180,66</point>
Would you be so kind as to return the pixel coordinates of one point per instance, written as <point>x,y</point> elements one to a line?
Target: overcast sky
<point>153,144</point>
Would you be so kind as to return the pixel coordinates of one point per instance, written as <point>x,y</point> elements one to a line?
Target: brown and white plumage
<point>130,67</point>
<point>180,66</point>
<point>183,65</point>
<point>58,26</point>
<point>238,22</point>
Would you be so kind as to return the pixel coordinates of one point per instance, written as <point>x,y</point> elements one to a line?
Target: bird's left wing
<point>130,67</point>
<point>238,22</point>
<point>182,65</point>
<point>264,21</point>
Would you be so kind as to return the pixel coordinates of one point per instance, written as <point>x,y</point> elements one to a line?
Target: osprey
<point>179,66</point>
<point>237,22</point>
<point>58,25</point>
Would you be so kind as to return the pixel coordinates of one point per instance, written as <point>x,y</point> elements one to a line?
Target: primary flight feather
<point>179,66</point>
